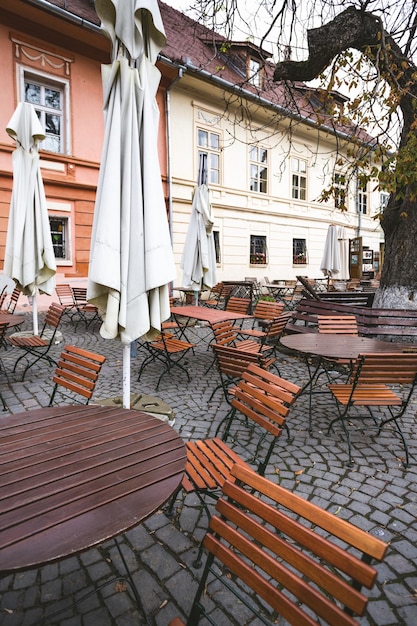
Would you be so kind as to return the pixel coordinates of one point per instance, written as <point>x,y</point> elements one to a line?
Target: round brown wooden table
<point>335,346</point>
<point>72,477</point>
<point>12,319</point>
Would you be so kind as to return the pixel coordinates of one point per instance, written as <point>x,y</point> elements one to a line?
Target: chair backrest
<point>65,295</point>
<point>3,296</point>
<point>14,297</point>
<point>77,371</point>
<point>232,362</point>
<point>52,318</point>
<point>306,563</point>
<point>224,332</point>
<point>337,324</point>
<point>266,310</point>
<point>80,295</point>
<point>397,368</point>
<point>238,305</point>
<point>276,327</point>
<point>264,399</point>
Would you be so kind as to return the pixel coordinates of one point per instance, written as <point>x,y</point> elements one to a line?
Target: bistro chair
<point>11,303</point>
<point>260,404</point>
<point>217,296</point>
<point>76,372</point>
<point>226,334</point>
<point>66,299</point>
<point>231,363</point>
<point>270,336</point>
<point>239,305</point>
<point>86,312</point>
<point>37,347</point>
<point>264,312</point>
<point>306,565</point>
<point>167,349</point>
<point>340,325</point>
<point>380,383</point>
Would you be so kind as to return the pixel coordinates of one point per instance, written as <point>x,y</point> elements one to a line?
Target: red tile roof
<point>207,53</point>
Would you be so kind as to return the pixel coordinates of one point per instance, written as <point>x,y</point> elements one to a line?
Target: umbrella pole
<point>35,314</point>
<point>126,376</point>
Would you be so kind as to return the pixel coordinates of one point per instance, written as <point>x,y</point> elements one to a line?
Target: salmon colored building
<point>52,57</point>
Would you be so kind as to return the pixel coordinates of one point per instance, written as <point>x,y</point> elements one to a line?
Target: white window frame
<point>67,260</point>
<point>257,167</point>
<point>211,151</point>
<point>258,252</point>
<point>362,197</point>
<point>340,193</point>
<point>297,175</point>
<point>26,74</point>
<point>255,72</point>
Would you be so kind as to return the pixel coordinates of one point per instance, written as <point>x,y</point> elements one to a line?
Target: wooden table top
<point>72,477</point>
<point>335,346</point>
<point>207,314</point>
<point>12,319</point>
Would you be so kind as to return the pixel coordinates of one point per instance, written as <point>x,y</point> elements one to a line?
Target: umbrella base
<point>143,402</point>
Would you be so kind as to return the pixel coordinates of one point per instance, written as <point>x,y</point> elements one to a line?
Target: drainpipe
<point>169,144</point>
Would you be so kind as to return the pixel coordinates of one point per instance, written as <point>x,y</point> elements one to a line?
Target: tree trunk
<point>363,31</point>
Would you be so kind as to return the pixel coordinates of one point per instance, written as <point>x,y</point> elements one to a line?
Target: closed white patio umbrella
<point>199,256</point>
<point>29,256</point>
<point>330,264</point>
<point>131,258</point>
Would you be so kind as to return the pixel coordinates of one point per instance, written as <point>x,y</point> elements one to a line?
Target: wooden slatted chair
<point>86,312</point>
<point>305,564</point>
<point>231,363</point>
<point>77,372</point>
<point>238,305</point>
<point>167,349</point>
<point>226,334</point>
<point>217,296</point>
<point>66,299</point>
<point>36,347</point>
<point>269,337</point>
<point>341,325</point>
<point>378,381</point>
<point>265,311</point>
<point>262,401</point>
<point>11,302</point>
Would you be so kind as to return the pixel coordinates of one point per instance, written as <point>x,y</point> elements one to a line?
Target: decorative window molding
<point>43,58</point>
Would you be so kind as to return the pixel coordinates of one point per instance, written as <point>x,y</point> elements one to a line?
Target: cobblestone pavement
<point>377,494</point>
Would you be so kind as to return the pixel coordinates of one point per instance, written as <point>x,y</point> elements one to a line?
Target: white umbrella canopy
<point>343,239</point>
<point>131,258</point>
<point>330,264</point>
<point>199,256</point>
<point>29,256</point>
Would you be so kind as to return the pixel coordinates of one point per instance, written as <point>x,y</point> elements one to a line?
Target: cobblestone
<point>377,494</point>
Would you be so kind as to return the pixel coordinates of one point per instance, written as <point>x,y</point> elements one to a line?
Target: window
<point>383,201</point>
<point>299,251</point>
<point>60,237</point>
<point>299,179</point>
<point>209,149</point>
<point>339,191</point>
<point>258,250</point>
<point>362,197</point>
<point>254,72</point>
<point>216,237</point>
<point>48,100</point>
<point>258,169</point>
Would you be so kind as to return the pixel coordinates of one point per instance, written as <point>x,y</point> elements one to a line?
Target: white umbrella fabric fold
<point>330,264</point>
<point>343,240</point>
<point>29,256</point>
<point>199,257</point>
<point>131,258</point>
